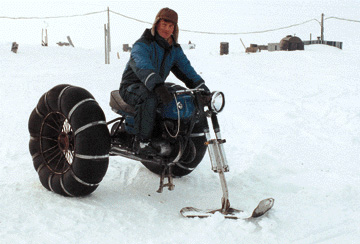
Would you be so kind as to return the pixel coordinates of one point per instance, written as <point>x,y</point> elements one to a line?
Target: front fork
<point>218,159</point>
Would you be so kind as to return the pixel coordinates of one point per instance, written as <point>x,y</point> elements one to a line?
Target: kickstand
<point>166,172</point>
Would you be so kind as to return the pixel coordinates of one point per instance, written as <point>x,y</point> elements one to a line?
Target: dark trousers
<point>145,103</point>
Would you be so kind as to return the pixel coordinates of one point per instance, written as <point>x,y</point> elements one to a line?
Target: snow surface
<point>292,124</point>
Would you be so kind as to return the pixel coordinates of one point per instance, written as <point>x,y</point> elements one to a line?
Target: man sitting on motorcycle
<point>152,58</point>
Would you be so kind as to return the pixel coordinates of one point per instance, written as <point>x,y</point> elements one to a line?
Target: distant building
<point>273,47</point>
<point>291,43</point>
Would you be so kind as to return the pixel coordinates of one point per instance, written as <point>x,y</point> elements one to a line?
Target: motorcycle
<point>70,142</point>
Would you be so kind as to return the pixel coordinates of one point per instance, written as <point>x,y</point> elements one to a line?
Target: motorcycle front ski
<point>263,207</point>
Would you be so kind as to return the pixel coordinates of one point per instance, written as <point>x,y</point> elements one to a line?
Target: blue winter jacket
<point>152,59</point>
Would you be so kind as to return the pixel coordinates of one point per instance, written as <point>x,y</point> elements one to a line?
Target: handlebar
<point>189,91</point>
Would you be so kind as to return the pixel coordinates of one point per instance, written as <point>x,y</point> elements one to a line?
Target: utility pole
<point>108,32</point>
<point>107,39</point>
<point>44,38</point>
<point>107,54</point>
<point>322,29</point>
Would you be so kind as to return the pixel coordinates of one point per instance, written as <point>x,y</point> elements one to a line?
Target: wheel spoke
<point>52,127</point>
<point>65,167</point>
<point>55,121</point>
<point>59,161</point>
<point>67,161</point>
<point>49,138</point>
<point>57,154</point>
<point>51,148</point>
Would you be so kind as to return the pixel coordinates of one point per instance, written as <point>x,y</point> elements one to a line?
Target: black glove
<point>163,93</point>
<point>204,87</point>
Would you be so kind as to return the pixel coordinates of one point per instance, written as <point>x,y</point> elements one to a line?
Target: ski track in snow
<point>291,122</point>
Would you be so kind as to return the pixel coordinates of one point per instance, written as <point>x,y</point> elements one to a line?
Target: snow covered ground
<point>292,124</point>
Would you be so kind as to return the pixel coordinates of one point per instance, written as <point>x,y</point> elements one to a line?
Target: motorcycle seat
<point>119,105</point>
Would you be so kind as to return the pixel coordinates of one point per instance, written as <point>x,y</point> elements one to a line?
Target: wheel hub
<point>63,141</point>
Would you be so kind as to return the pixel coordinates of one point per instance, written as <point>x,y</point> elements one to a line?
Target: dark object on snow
<point>291,43</point>
<point>224,48</point>
<point>63,44</point>
<point>126,48</point>
<point>14,47</point>
<point>70,41</point>
<point>252,49</point>
<point>69,141</point>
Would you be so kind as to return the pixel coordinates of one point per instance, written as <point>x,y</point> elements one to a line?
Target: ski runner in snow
<point>152,58</point>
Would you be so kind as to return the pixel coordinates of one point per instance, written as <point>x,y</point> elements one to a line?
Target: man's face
<point>165,29</point>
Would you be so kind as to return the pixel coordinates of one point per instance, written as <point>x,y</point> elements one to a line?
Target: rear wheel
<point>69,141</point>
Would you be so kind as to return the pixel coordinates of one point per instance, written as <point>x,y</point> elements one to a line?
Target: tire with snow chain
<point>192,156</point>
<point>69,141</point>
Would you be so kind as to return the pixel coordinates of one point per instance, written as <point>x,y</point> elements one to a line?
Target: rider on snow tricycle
<point>162,125</point>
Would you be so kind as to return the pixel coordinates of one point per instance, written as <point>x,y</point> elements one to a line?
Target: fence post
<point>107,58</point>
<point>322,28</point>
<point>44,38</point>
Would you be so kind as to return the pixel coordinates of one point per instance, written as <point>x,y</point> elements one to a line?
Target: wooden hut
<point>291,43</point>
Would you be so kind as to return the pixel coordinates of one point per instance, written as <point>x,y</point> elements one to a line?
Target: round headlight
<point>217,102</point>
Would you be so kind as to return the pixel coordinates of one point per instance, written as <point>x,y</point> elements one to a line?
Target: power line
<point>128,17</point>
<point>358,21</point>
<point>53,17</point>
<point>251,32</point>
